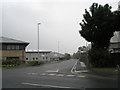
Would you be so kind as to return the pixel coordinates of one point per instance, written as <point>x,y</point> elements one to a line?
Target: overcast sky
<point>59,22</point>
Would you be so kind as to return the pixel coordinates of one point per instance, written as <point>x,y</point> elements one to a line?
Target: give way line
<point>52,86</point>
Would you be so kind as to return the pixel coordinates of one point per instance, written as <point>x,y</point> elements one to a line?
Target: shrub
<point>34,63</point>
<point>84,58</point>
<point>6,63</point>
<point>99,57</point>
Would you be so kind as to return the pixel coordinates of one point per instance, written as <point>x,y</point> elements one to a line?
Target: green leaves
<point>99,24</point>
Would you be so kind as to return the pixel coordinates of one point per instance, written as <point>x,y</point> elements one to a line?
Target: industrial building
<point>34,55</point>
<point>12,49</point>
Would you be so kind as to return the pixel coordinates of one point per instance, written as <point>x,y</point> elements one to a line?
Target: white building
<point>34,55</point>
<point>57,56</point>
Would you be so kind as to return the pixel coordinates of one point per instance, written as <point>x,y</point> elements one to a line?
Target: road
<point>53,75</point>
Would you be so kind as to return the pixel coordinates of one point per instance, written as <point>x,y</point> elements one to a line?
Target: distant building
<point>12,49</point>
<point>34,55</point>
<point>57,56</point>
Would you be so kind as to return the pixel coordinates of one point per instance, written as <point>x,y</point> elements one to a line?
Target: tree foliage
<point>99,25</point>
<point>117,20</point>
<point>67,56</point>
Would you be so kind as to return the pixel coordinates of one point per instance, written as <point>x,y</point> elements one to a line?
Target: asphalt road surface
<point>52,75</point>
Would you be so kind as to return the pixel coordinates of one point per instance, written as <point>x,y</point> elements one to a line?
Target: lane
<point>59,75</point>
<point>13,77</point>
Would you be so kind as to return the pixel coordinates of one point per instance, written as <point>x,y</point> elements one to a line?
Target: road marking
<point>33,73</point>
<point>53,70</point>
<point>51,74</point>
<point>73,68</point>
<point>60,75</point>
<point>32,84</point>
<point>43,74</point>
<point>81,76</point>
<point>70,75</point>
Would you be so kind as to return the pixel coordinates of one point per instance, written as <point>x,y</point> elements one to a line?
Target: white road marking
<point>81,76</point>
<point>51,74</point>
<point>53,70</point>
<point>73,68</point>
<point>33,73</point>
<point>70,75</point>
<point>43,74</point>
<point>32,84</point>
<point>60,75</point>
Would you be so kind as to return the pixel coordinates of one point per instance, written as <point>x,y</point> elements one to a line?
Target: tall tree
<point>98,25</point>
<point>117,20</point>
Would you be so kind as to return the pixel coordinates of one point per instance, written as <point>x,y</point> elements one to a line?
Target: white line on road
<point>43,74</point>
<point>81,76</point>
<point>53,70</point>
<point>70,75</point>
<point>73,68</point>
<point>51,74</point>
<point>33,73</point>
<point>32,84</point>
<point>60,75</point>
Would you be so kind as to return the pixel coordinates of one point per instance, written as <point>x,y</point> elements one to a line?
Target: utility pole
<point>38,39</point>
<point>58,50</point>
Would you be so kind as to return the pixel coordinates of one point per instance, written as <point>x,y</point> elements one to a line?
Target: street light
<point>38,39</point>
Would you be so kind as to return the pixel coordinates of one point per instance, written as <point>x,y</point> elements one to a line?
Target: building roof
<point>39,51</point>
<point>10,40</point>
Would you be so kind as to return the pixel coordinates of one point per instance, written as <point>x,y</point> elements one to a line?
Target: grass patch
<point>105,70</point>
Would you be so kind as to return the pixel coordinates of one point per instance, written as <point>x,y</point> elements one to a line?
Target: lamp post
<point>38,38</point>
<point>58,50</point>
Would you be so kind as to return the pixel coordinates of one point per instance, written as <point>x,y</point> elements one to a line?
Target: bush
<point>84,58</point>
<point>34,63</point>
<point>99,58</point>
<point>6,63</point>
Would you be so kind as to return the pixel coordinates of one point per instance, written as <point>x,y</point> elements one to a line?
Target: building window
<point>26,58</point>
<point>12,47</point>
<point>36,58</point>
<point>12,58</point>
<point>17,47</point>
<point>8,47</point>
<point>33,58</point>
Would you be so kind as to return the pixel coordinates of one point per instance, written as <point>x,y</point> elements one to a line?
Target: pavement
<point>80,68</point>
